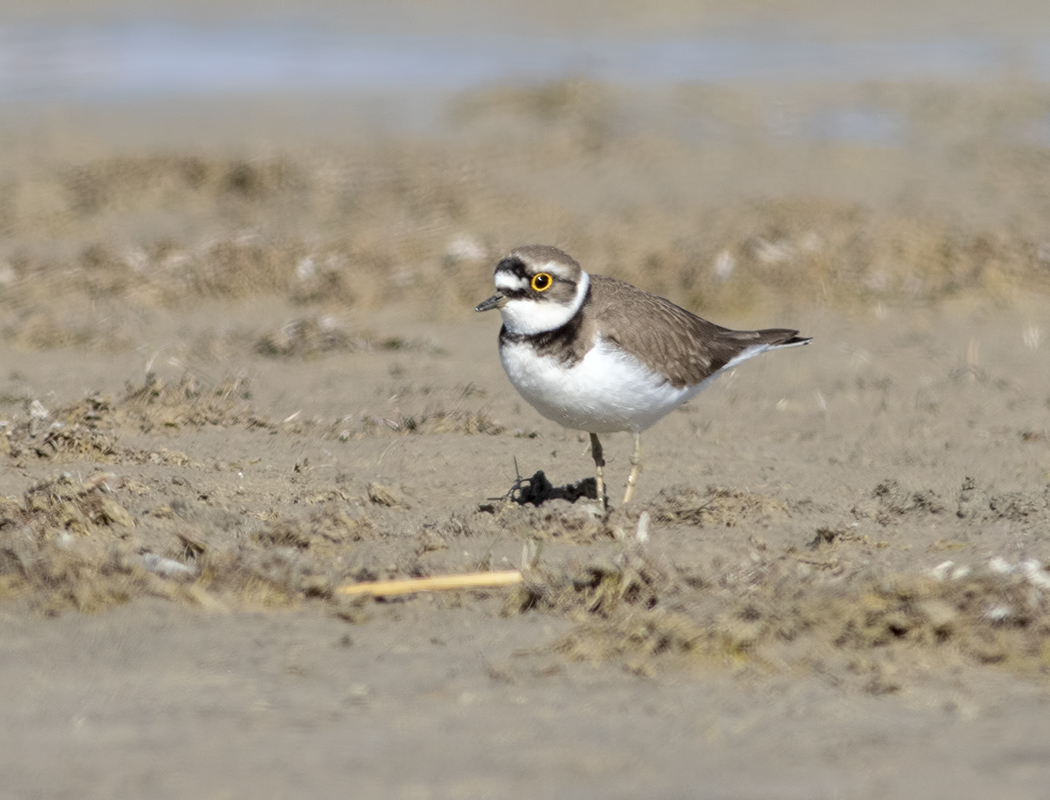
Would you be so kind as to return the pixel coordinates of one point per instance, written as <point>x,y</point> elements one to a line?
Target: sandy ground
<point>781,634</point>
<point>240,369</point>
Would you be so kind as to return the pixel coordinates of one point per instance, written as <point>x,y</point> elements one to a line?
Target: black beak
<point>497,300</point>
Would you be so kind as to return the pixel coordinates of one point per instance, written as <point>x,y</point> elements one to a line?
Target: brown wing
<point>670,339</point>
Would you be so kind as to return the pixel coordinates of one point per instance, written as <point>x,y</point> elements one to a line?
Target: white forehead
<point>510,281</point>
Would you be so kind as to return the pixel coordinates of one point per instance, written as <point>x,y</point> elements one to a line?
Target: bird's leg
<point>636,467</point>
<point>599,462</point>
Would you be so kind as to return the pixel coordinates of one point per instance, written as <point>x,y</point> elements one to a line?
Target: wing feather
<point>669,339</point>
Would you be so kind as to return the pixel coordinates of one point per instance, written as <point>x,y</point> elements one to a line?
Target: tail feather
<point>794,341</point>
<point>781,337</point>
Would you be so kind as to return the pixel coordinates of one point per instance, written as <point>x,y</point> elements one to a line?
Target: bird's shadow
<point>537,490</point>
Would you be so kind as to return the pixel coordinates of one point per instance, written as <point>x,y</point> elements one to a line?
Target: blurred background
<point>723,153</point>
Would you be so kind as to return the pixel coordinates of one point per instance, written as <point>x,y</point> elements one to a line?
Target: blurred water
<point>129,61</point>
<point>154,58</point>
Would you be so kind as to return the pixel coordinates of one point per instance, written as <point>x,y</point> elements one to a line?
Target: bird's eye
<point>541,281</point>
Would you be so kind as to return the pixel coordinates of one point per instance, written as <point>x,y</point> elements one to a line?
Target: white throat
<point>528,317</point>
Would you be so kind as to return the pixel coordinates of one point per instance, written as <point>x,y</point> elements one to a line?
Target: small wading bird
<point>596,354</point>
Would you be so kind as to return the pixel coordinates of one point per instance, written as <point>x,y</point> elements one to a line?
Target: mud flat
<point>239,369</point>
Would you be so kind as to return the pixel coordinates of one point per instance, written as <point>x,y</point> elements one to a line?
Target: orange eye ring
<point>541,281</point>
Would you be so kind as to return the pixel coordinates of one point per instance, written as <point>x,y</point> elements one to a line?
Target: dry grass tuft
<point>83,430</point>
<point>875,635</point>
<point>66,546</point>
<point>716,506</point>
<point>191,402</point>
<point>309,337</point>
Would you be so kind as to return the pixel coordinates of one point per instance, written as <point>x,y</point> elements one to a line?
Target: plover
<point>596,354</point>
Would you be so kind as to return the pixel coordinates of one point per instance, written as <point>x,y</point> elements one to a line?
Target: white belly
<point>607,391</point>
